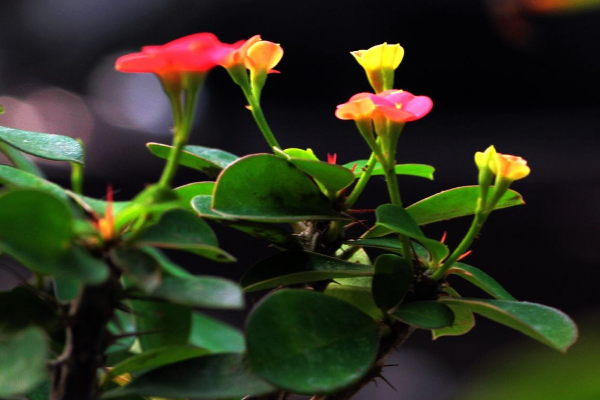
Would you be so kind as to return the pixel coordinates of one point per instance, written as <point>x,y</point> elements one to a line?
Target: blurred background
<point>519,74</point>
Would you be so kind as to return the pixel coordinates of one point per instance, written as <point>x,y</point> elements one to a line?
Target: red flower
<point>199,52</point>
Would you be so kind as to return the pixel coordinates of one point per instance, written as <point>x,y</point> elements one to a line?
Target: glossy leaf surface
<point>37,231</point>
<point>356,291</point>
<point>399,220</point>
<point>217,376</point>
<point>480,279</point>
<point>392,279</point>
<point>155,358</point>
<point>183,230</point>
<point>545,324</point>
<point>187,192</point>
<point>425,314</point>
<point>216,336</point>
<point>43,145</point>
<point>418,170</point>
<point>269,189</point>
<point>22,361</point>
<point>205,159</point>
<point>291,267</point>
<point>323,346</point>
<point>464,320</point>
<point>332,177</point>
<point>200,291</point>
<point>457,202</point>
<point>266,231</point>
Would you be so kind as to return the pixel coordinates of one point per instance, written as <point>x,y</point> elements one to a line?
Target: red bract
<point>196,53</point>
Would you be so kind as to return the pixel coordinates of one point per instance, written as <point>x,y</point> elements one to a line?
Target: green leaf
<point>37,231</point>
<point>17,179</point>
<point>43,145</point>
<point>21,308</point>
<point>122,323</point>
<point>390,243</point>
<point>168,266</point>
<point>205,159</point>
<point>392,279</point>
<point>142,270</point>
<point>324,345</point>
<point>22,361</point>
<point>356,291</point>
<point>307,154</point>
<point>269,189</point>
<point>271,233</point>
<point>480,279</point>
<point>292,267</point>
<point>464,320</point>
<point>155,358</point>
<point>96,206</point>
<point>42,392</point>
<point>216,336</point>
<point>425,314</point>
<point>162,324</point>
<point>332,177</point>
<point>217,376</point>
<point>399,220</point>
<point>66,289</point>
<point>184,230</point>
<point>201,291</point>
<point>187,192</point>
<point>545,324</point>
<point>456,202</point>
<point>418,170</point>
<point>149,205</point>
<point>19,160</point>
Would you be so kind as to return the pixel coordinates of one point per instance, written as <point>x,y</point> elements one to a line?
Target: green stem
<point>476,225</point>
<point>362,181</point>
<point>183,124</point>
<point>260,119</point>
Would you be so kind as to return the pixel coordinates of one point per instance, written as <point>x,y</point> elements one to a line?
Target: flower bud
<point>380,62</point>
<point>509,167</point>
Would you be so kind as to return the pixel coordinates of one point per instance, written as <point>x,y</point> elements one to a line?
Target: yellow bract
<point>380,62</point>
<point>509,167</point>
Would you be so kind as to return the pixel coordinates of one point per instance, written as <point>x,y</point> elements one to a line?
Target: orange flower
<point>394,105</point>
<point>236,53</point>
<point>505,166</point>
<point>263,56</point>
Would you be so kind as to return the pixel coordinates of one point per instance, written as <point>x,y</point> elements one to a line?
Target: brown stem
<point>75,377</point>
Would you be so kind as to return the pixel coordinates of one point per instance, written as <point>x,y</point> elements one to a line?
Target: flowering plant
<point>110,315</point>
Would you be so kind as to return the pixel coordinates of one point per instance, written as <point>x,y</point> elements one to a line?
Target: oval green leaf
<point>155,358</point>
<point>457,202</point>
<point>480,279</point>
<point>390,243</point>
<point>356,291</point>
<point>292,267</point>
<point>397,219</point>
<point>184,230</point>
<point>270,189</point>
<point>217,376</point>
<point>23,358</point>
<point>332,177</point>
<point>201,291</point>
<point>37,229</point>
<point>306,342</point>
<point>545,324</point>
<point>20,160</point>
<point>187,192</point>
<point>216,336</point>
<point>205,159</point>
<point>464,320</point>
<point>392,279</point>
<point>43,145</point>
<point>418,170</point>
<point>425,314</point>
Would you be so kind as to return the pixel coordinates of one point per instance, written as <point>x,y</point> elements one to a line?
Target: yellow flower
<point>379,63</point>
<point>505,166</point>
<point>484,159</point>
<point>263,56</point>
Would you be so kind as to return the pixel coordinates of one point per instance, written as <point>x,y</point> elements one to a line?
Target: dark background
<point>519,74</point>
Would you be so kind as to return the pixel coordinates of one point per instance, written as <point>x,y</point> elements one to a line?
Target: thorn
<point>361,211</point>
<point>332,158</point>
<point>443,239</point>
<point>354,167</point>
<point>390,365</point>
<point>248,107</point>
<point>464,255</point>
<point>388,382</point>
<point>114,337</point>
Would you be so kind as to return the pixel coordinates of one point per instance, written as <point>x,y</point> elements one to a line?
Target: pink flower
<point>394,105</point>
